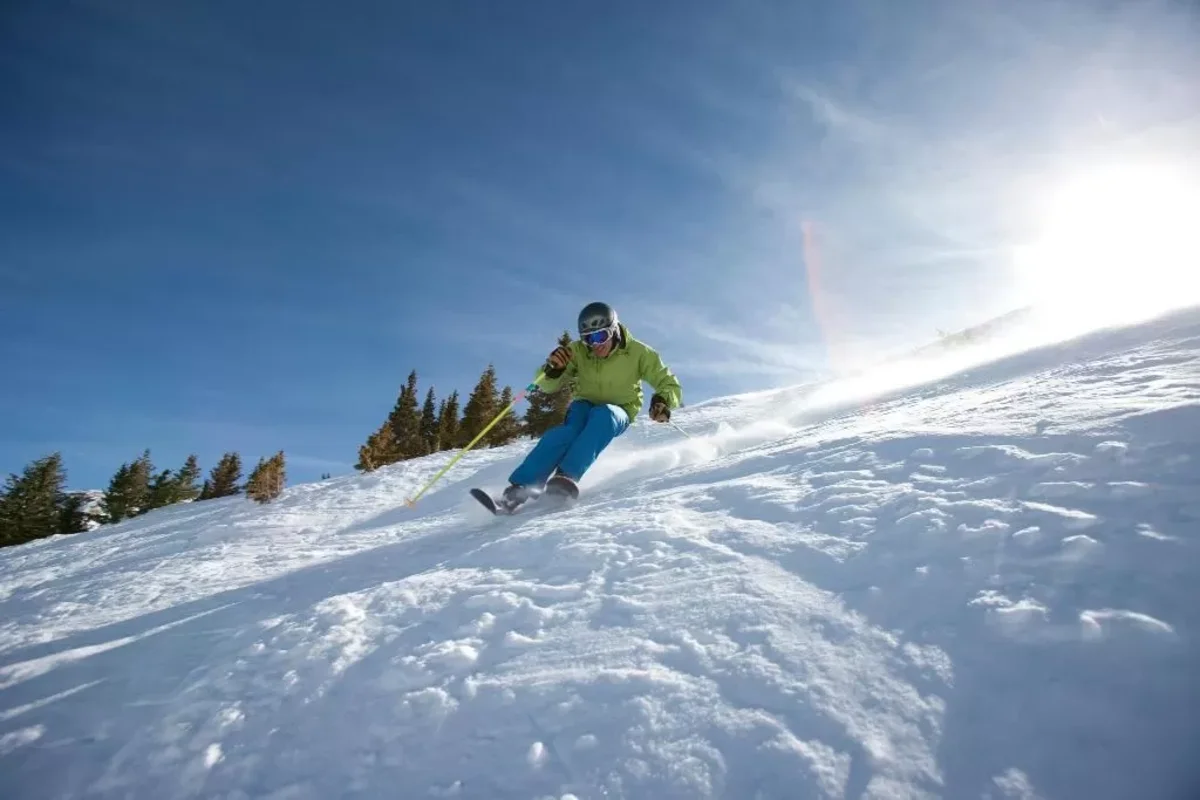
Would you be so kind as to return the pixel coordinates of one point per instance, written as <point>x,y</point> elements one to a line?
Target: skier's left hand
<point>659,410</point>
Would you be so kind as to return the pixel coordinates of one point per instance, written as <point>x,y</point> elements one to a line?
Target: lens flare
<point>1116,244</point>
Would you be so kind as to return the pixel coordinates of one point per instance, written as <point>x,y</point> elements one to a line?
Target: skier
<point>607,366</point>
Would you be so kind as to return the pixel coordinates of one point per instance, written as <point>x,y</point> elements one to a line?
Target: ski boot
<point>562,487</point>
<point>514,496</point>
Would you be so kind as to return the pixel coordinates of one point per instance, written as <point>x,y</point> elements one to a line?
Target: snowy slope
<point>986,585</point>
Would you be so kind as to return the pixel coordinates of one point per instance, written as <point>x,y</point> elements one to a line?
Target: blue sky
<point>238,226</point>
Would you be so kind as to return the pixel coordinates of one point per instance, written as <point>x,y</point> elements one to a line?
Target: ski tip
<point>485,500</point>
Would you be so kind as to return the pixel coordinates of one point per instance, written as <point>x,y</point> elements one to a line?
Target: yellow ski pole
<point>412,501</point>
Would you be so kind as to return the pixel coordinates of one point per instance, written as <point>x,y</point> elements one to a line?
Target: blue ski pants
<point>573,446</point>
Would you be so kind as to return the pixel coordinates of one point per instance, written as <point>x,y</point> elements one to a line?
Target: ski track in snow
<point>984,586</point>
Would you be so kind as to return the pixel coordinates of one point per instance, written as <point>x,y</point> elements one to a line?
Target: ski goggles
<point>596,338</point>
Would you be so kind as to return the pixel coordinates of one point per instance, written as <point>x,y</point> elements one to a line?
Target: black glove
<point>659,410</point>
<point>556,364</point>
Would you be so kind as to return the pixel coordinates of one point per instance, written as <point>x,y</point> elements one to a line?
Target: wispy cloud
<point>748,350</point>
<point>839,118</point>
<point>752,314</point>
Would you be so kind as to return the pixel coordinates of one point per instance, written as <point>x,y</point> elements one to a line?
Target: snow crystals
<point>909,595</point>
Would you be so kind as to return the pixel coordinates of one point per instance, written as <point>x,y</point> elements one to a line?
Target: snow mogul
<point>605,368</point>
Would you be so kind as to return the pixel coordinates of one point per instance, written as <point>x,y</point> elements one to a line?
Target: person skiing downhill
<point>605,368</point>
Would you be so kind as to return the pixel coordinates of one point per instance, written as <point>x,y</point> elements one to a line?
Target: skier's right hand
<point>556,364</point>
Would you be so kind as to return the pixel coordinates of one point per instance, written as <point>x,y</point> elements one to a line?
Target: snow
<point>964,580</point>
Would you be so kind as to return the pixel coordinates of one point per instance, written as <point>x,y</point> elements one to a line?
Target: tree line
<point>413,429</point>
<point>35,504</point>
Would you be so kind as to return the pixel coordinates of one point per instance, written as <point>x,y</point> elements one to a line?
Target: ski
<point>559,489</point>
<point>487,501</point>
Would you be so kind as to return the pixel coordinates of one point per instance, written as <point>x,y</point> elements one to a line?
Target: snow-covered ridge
<point>980,586</point>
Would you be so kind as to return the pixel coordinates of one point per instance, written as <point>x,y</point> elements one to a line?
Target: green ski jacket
<point>618,378</point>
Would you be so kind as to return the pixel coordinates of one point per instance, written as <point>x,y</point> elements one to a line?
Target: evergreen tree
<point>441,416</point>
<point>278,474</point>
<point>401,434</point>
<point>128,492</point>
<point>509,428</point>
<point>161,490</point>
<point>448,422</point>
<point>405,422</point>
<point>223,478</point>
<point>115,504</point>
<point>481,407</point>
<point>164,490</point>
<point>255,482</point>
<point>537,413</point>
<point>267,480</point>
<point>378,451</point>
<point>31,503</point>
<point>185,480</point>
<point>429,425</point>
<point>71,516</point>
<point>167,487</point>
<point>228,474</point>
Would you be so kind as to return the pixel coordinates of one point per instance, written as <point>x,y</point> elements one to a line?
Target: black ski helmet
<point>597,317</point>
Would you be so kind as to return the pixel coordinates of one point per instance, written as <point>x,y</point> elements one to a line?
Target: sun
<point>1116,241</point>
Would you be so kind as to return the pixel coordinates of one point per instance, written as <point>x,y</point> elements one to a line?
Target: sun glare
<point>1116,242</point>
